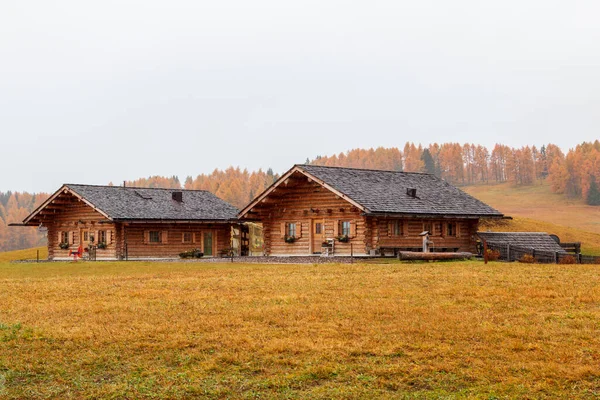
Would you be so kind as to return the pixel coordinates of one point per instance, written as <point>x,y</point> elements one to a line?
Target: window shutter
<point>60,234</point>
<point>164,237</point>
<point>146,237</point>
<point>458,229</point>
<point>353,229</point>
<point>283,229</point>
<point>108,237</point>
<point>336,228</point>
<point>390,229</point>
<point>194,237</point>
<point>298,229</point>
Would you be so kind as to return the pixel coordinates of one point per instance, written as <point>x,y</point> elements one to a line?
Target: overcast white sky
<point>92,92</point>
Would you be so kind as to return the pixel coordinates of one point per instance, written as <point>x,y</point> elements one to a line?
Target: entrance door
<point>318,235</point>
<point>84,238</point>
<point>208,243</point>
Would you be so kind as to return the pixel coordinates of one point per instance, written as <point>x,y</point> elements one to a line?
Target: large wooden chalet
<point>312,209</point>
<point>127,222</point>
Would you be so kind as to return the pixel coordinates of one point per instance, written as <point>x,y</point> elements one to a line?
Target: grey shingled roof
<point>531,240</point>
<point>385,192</point>
<point>128,203</point>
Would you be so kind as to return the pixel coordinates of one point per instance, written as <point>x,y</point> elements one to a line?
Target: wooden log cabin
<point>134,223</point>
<point>315,209</point>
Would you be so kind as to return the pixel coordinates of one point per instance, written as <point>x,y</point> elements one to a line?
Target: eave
<point>296,168</point>
<point>63,189</point>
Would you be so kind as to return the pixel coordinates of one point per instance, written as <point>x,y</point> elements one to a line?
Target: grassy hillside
<point>539,203</point>
<point>430,330</point>
<point>537,209</point>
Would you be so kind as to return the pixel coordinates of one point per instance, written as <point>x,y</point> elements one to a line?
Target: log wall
<point>135,237</point>
<point>301,204</point>
<point>463,239</point>
<point>72,218</point>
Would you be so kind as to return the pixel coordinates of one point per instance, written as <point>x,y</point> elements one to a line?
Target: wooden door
<point>84,238</point>
<point>208,243</point>
<point>318,235</point>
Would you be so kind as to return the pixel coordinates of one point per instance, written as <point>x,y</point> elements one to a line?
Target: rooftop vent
<point>177,196</point>
<point>412,192</point>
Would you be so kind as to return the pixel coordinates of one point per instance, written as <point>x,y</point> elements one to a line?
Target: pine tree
<point>593,194</point>
<point>428,161</point>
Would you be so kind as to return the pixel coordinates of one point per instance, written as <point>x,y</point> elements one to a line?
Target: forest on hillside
<point>576,174</point>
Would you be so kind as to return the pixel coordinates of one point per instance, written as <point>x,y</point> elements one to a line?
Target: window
<point>427,227</point>
<point>64,237</point>
<point>154,236</point>
<point>101,236</point>
<point>187,237</point>
<point>86,236</point>
<point>345,228</point>
<point>318,228</point>
<point>439,227</point>
<point>451,229</point>
<point>291,230</point>
<point>397,228</point>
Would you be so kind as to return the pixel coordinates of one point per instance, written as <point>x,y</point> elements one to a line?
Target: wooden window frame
<point>102,236</point>
<point>318,228</point>
<point>346,228</point>
<point>154,235</point>
<point>187,234</point>
<point>452,229</point>
<point>428,226</point>
<point>397,228</point>
<point>290,229</point>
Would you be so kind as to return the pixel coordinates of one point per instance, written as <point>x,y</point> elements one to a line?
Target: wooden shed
<point>315,209</point>
<point>134,223</point>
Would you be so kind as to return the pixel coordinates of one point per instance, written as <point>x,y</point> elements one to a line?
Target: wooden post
<point>508,252</point>
<point>38,256</point>
<point>485,252</point>
<point>351,254</point>
<point>556,257</point>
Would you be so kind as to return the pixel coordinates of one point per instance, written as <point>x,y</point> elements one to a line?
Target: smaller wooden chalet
<point>314,209</point>
<point>133,223</point>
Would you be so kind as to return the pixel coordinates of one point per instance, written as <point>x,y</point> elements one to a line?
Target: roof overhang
<point>178,221</point>
<point>430,216</point>
<point>63,189</point>
<point>296,168</point>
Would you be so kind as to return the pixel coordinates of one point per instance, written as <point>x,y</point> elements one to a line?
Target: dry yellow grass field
<point>179,330</point>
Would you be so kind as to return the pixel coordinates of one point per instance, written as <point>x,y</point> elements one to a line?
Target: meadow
<point>536,209</point>
<point>367,330</point>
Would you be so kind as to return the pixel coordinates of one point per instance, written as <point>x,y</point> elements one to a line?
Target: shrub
<point>567,260</point>
<point>493,255</point>
<point>290,239</point>
<point>527,259</point>
<point>194,253</point>
<point>343,238</point>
